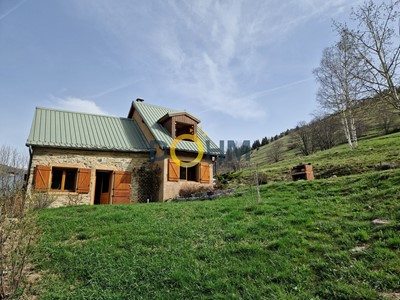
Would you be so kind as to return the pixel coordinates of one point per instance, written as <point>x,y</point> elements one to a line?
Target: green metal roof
<point>73,130</point>
<point>152,113</point>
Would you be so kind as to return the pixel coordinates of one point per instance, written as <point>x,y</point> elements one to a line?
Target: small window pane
<point>182,173</point>
<point>70,176</point>
<point>182,128</point>
<point>56,179</point>
<point>192,174</point>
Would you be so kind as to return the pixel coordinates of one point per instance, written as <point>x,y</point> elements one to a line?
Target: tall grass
<point>299,243</point>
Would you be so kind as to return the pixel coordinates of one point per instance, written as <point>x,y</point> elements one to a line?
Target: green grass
<point>368,115</point>
<point>296,244</point>
<point>338,161</point>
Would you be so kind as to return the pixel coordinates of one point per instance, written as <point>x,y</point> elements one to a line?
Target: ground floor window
<point>199,173</point>
<point>63,179</point>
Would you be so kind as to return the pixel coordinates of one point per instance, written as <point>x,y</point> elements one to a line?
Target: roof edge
<point>179,113</point>
<point>79,112</point>
<point>89,149</point>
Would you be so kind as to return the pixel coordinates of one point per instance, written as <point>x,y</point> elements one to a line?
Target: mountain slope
<point>340,160</point>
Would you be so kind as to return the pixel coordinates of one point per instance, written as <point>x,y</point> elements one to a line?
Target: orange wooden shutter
<point>205,173</point>
<point>122,188</point>
<point>173,171</point>
<point>83,182</point>
<point>42,178</point>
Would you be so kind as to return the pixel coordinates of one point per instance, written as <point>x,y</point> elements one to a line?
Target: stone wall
<point>95,160</point>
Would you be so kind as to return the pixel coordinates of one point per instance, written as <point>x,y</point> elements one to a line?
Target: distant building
<point>10,178</point>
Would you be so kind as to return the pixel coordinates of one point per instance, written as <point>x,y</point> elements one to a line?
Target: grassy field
<point>368,114</point>
<point>299,243</point>
<point>338,161</point>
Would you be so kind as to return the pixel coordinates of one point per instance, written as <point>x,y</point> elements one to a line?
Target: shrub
<point>220,185</point>
<point>17,232</point>
<point>229,176</point>
<point>74,199</point>
<point>262,178</point>
<point>17,226</point>
<point>40,201</point>
<point>149,178</point>
<point>188,191</point>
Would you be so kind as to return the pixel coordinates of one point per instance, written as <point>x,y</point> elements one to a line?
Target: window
<point>182,128</point>
<point>199,173</point>
<point>63,179</point>
<point>189,174</point>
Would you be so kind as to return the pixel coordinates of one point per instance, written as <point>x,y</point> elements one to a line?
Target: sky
<point>244,68</point>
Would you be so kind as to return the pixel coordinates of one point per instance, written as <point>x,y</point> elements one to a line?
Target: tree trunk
<point>353,131</point>
<point>346,129</point>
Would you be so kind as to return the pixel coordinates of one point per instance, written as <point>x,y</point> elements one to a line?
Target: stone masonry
<point>95,160</point>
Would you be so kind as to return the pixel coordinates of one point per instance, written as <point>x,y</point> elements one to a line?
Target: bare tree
<point>276,150</point>
<point>377,45</point>
<point>12,165</point>
<point>385,117</point>
<point>340,87</point>
<point>303,138</point>
<point>237,153</point>
<point>325,129</point>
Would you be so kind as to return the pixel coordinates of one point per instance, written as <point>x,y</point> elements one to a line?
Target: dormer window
<point>179,123</point>
<point>182,128</point>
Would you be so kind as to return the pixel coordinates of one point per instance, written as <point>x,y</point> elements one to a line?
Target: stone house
<point>175,139</point>
<point>151,155</point>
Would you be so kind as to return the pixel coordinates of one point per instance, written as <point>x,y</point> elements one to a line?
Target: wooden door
<point>104,198</point>
<point>122,187</point>
<point>103,186</point>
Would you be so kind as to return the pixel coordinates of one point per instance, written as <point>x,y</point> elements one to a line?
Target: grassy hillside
<point>338,161</point>
<point>299,243</point>
<point>375,147</point>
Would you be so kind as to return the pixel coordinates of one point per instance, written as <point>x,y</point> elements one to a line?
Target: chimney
<point>139,100</point>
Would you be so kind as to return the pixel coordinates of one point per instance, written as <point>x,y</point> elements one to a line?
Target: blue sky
<point>244,68</point>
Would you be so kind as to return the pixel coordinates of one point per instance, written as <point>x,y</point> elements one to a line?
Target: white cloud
<point>232,38</point>
<point>208,49</point>
<point>80,105</point>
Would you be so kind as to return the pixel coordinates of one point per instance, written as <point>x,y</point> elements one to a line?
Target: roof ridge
<point>158,106</point>
<point>80,113</point>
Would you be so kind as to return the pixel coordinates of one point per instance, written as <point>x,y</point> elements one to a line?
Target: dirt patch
<point>380,222</point>
<point>391,296</point>
<point>359,249</point>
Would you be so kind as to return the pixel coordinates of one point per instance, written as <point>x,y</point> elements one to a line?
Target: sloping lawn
<point>299,243</point>
<point>339,160</point>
